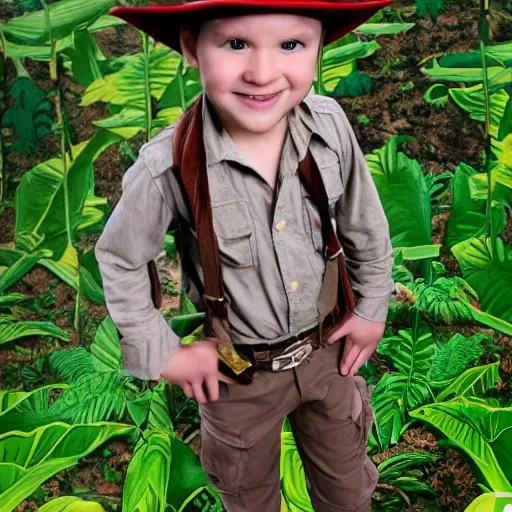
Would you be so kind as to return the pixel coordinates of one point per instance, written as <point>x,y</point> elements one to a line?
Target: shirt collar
<point>219,146</point>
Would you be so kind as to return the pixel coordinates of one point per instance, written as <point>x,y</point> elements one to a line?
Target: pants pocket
<point>365,418</point>
<point>222,462</point>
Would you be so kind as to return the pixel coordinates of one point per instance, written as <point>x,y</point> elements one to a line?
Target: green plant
<point>31,117</point>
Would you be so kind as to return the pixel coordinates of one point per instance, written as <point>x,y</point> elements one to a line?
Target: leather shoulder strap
<point>190,171</point>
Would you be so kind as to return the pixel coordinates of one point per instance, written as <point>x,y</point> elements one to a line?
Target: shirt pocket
<point>235,234</point>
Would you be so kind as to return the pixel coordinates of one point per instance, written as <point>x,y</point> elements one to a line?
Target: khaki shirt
<point>270,241</point>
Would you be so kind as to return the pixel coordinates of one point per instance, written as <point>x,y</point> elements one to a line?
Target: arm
<point>364,234</point>
<point>132,237</point>
<point>363,230</point>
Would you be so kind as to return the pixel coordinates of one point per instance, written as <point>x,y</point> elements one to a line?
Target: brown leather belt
<point>284,355</point>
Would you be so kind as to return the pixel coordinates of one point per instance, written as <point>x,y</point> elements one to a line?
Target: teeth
<point>262,98</point>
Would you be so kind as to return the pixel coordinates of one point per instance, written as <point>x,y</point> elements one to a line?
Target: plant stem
<point>484,37</point>
<point>64,139</point>
<point>3,176</point>
<point>149,113</point>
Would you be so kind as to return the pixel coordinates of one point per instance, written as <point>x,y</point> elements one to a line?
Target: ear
<point>188,45</point>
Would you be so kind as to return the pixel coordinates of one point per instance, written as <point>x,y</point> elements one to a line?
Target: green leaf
<point>353,85</point>
<point>184,325</point>
<point>491,321</point>
<point>430,8</point>
<point>31,117</point>
<point>40,204</point>
<point>28,402</point>
<point>293,478</point>
<point>187,475</point>
<point>94,214</point>
<point>436,72</point>
<point>339,59</point>
<point>106,348</point>
<point>404,194</point>
<point>192,87</point>
<point>84,55</point>
<point>11,299</point>
<point>126,123</point>
<point>92,397</point>
<point>21,267</point>
<point>482,430</point>
<point>14,330</point>
<point>127,87</point>
<point>421,252</point>
<point>65,17</point>
<point>473,382</point>
<point>490,275</point>
<point>491,502</point>
<point>27,459</point>
<point>452,358</point>
<point>90,278</point>
<point>147,477</point>
<point>472,100</point>
<point>71,504</point>
<point>380,29</point>
<point>467,213</point>
<point>437,95</point>
<point>446,300</point>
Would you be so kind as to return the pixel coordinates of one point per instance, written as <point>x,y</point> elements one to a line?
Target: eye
<point>290,45</point>
<point>236,44</point>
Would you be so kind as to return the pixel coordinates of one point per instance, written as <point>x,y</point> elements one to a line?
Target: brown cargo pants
<point>330,418</point>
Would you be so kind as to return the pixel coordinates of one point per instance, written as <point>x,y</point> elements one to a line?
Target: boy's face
<point>255,68</point>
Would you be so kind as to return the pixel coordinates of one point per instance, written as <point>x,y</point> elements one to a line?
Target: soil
<point>443,139</point>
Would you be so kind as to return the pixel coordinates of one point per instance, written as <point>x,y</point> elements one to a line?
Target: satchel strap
<point>190,171</point>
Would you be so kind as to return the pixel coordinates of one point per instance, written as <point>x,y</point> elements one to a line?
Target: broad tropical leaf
<point>65,17</point>
<point>11,330</point>
<point>491,502</point>
<point>490,275</point>
<point>480,428</point>
<point>27,459</point>
<point>41,215</point>
<point>404,194</point>
<point>473,382</point>
<point>71,504</point>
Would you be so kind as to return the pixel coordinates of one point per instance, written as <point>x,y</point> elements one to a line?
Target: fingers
<point>339,331</point>
<point>212,388</point>
<point>350,354</point>
<point>197,388</point>
<point>187,389</point>
<point>361,359</point>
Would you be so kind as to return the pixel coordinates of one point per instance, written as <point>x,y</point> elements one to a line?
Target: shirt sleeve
<point>133,236</point>
<point>363,230</point>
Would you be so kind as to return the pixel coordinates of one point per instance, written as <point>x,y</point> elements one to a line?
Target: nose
<point>261,68</point>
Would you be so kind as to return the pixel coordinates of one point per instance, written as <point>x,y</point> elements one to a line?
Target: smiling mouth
<point>259,97</point>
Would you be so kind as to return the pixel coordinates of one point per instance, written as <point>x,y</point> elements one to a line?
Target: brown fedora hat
<point>162,21</point>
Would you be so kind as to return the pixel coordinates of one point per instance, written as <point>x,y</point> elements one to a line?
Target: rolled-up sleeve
<point>132,237</point>
<point>363,229</point>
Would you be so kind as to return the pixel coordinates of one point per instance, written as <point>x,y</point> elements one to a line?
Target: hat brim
<point>162,22</point>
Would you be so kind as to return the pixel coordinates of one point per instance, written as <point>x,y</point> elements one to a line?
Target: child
<point>264,180</point>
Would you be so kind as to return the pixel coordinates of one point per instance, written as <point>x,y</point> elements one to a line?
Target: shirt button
<point>295,285</point>
<point>280,225</point>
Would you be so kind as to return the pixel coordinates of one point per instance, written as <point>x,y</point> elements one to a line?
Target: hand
<point>363,336</point>
<point>194,368</point>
